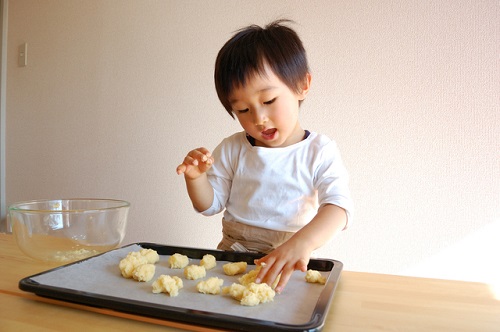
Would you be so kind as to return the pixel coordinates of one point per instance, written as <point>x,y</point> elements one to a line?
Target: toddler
<point>284,190</point>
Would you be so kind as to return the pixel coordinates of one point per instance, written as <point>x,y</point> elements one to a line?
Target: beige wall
<point>116,92</point>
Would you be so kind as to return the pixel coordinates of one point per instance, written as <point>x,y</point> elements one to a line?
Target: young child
<point>283,189</point>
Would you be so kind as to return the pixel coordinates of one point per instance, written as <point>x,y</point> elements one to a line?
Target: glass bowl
<point>67,230</point>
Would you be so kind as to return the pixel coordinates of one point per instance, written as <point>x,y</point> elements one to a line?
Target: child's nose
<point>260,117</point>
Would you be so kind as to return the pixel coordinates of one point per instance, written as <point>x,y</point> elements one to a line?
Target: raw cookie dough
<point>210,286</point>
<point>139,264</point>
<point>208,261</point>
<point>130,263</point>
<point>151,255</point>
<point>250,277</point>
<point>167,284</point>
<point>314,276</point>
<point>178,261</point>
<point>194,272</point>
<point>144,272</point>
<point>250,295</point>
<point>232,269</point>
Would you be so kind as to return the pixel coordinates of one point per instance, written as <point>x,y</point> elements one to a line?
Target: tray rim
<point>189,316</point>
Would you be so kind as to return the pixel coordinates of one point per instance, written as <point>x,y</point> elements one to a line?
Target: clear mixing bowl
<point>67,230</point>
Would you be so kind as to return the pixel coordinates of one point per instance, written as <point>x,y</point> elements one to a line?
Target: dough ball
<point>314,276</point>
<point>144,272</point>
<point>252,294</point>
<point>235,291</point>
<point>130,263</point>
<point>167,284</point>
<point>256,294</point>
<point>232,269</point>
<point>151,255</point>
<point>178,261</point>
<point>193,272</point>
<point>250,277</point>
<point>210,286</point>
<point>208,261</point>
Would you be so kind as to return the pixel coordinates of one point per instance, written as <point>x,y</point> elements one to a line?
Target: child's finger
<point>186,165</point>
<point>301,265</point>
<point>197,157</point>
<point>271,272</point>
<point>180,169</point>
<point>285,276</point>
<point>204,151</point>
<point>263,263</point>
<point>200,154</point>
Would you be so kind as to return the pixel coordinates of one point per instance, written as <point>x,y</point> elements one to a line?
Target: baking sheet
<point>97,281</point>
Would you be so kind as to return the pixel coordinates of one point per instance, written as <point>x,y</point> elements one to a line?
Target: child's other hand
<point>285,259</point>
<point>197,162</point>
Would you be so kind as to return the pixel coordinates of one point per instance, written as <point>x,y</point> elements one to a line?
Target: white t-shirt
<point>277,188</point>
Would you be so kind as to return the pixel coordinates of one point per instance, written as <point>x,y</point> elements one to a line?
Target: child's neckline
<point>251,140</point>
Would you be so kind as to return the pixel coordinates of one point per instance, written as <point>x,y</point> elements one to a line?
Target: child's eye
<point>269,102</point>
<point>242,111</point>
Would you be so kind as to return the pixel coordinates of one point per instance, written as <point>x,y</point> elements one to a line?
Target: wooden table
<point>362,302</point>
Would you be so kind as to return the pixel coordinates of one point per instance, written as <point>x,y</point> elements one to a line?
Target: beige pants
<point>255,239</point>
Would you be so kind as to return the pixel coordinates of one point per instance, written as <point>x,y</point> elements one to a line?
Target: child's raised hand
<point>196,162</point>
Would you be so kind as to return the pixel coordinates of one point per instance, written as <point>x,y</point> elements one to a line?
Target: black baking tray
<point>71,283</point>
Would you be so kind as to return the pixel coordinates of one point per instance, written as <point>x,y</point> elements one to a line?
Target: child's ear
<point>306,85</point>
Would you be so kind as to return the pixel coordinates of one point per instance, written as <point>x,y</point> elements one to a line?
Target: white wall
<point>116,92</point>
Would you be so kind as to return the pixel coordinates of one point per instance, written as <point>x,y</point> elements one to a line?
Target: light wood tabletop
<point>362,302</point>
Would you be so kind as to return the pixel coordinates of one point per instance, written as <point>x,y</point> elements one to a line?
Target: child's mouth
<point>269,133</point>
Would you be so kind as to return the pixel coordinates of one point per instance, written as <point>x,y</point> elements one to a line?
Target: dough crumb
<point>210,286</point>
<point>74,255</point>
<point>232,269</point>
<point>194,272</point>
<point>314,276</point>
<point>208,261</point>
<point>178,261</point>
<point>167,284</point>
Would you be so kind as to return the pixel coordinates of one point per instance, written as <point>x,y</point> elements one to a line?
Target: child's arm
<point>194,168</point>
<point>295,253</point>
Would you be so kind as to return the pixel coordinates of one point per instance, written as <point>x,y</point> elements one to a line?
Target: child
<point>284,189</point>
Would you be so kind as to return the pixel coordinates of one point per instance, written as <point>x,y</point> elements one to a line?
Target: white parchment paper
<point>101,275</point>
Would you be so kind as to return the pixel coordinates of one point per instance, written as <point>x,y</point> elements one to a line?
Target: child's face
<point>268,110</point>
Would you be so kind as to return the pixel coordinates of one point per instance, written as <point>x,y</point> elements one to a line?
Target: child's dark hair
<point>250,49</point>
